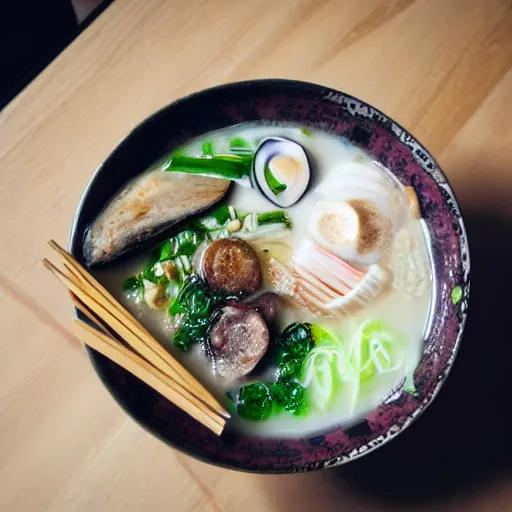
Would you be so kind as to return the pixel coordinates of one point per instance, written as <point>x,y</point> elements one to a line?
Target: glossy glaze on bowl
<point>335,112</point>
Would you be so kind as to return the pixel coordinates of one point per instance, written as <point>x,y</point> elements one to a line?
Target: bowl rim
<point>396,128</point>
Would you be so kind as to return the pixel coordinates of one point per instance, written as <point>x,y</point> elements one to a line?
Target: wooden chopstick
<point>188,384</point>
<point>107,315</point>
<point>178,385</point>
<point>89,314</point>
<point>95,308</point>
<point>144,371</point>
<point>164,361</point>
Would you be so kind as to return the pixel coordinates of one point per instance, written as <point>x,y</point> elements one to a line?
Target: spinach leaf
<point>254,402</point>
<point>288,393</point>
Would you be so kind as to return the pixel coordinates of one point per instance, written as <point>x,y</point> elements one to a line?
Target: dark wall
<point>30,31</point>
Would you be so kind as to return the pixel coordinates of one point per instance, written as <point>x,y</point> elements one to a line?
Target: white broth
<point>347,382</point>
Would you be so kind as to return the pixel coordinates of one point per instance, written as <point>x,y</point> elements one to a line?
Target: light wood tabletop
<point>440,68</point>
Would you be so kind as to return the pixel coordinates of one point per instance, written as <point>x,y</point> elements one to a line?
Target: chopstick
<point>89,314</point>
<point>143,342</point>
<point>106,313</point>
<point>83,308</point>
<point>139,367</point>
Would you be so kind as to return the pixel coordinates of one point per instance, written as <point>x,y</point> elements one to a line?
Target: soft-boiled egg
<point>366,181</point>
<point>353,230</point>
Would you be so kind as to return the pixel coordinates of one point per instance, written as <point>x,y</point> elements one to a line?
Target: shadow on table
<point>463,441</point>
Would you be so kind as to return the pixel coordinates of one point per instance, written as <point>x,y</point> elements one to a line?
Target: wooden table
<point>441,68</point>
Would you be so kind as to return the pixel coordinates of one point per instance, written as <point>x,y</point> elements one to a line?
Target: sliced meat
<point>267,304</point>
<point>239,339</point>
<point>231,265</point>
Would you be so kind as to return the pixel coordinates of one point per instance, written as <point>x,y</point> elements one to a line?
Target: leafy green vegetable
<point>134,287</point>
<point>132,283</point>
<point>254,402</point>
<point>166,251</point>
<point>207,148</point>
<point>240,146</point>
<point>257,401</point>
<point>321,335</point>
<point>182,339</point>
<point>193,329</point>
<point>221,215</point>
<point>231,167</point>
<point>288,393</point>
<point>325,368</point>
<point>376,350</point>
<point>409,386</point>
<point>296,339</point>
<point>293,345</point>
<point>186,243</point>
<point>179,249</point>
<point>290,367</point>
<point>194,298</point>
<point>149,270</point>
<point>273,184</point>
<point>274,217</point>
<point>197,303</point>
<point>456,295</point>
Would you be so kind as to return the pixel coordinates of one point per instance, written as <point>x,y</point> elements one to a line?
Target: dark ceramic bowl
<point>368,128</point>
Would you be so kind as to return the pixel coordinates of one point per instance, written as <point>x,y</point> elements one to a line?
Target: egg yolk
<point>284,168</point>
<point>332,228</point>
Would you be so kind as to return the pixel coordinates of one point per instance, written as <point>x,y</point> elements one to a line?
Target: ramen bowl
<point>386,142</point>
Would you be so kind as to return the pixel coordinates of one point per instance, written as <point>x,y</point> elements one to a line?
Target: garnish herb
<point>240,146</point>
<point>275,217</point>
<point>207,148</point>
<point>456,295</point>
<point>273,184</point>
<point>409,386</point>
<point>231,167</point>
<point>306,132</point>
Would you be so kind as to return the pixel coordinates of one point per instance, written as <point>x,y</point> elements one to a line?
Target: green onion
<point>275,217</point>
<point>306,132</point>
<point>207,148</point>
<point>275,186</point>
<point>240,146</point>
<point>231,167</point>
